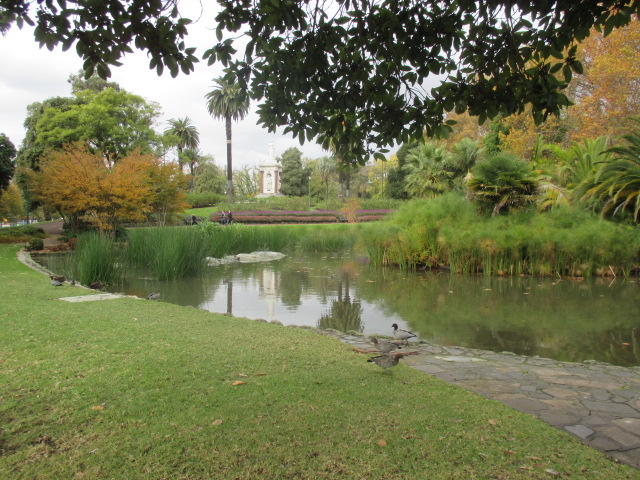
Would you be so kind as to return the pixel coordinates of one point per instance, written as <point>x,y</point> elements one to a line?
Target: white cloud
<point>30,74</point>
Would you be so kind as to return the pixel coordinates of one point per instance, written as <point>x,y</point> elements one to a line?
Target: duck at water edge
<point>402,334</point>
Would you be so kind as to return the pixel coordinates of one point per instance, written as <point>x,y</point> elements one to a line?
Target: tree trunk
<point>229,162</point>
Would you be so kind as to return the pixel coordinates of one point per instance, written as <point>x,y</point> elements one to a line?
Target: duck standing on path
<point>383,346</point>
<point>402,334</point>
<point>387,360</point>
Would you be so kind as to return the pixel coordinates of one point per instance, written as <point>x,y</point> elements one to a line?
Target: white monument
<point>270,175</point>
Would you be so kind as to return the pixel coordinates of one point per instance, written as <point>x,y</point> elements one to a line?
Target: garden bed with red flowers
<point>292,216</point>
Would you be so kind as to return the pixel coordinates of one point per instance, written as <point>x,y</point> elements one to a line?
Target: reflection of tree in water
<point>522,341</point>
<point>345,314</point>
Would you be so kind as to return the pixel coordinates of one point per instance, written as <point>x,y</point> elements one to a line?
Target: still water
<point>567,320</point>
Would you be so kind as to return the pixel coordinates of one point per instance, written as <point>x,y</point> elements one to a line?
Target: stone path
<point>596,402</point>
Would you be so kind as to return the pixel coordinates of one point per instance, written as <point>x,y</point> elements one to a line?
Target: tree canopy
<point>352,73</point>
<point>7,165</point>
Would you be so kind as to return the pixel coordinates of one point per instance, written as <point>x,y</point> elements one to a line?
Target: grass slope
<point>147,390</point>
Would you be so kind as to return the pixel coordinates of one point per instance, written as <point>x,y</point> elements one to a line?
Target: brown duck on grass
<point>58,278</point>
<point>389,360</point>
<point>384,346</point>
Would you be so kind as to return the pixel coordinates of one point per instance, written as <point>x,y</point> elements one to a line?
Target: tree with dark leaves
<point>354,74</point>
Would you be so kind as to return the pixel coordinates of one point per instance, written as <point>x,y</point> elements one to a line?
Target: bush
<point>199,200</point>
<point>35,243</point>
<point>20,234</point>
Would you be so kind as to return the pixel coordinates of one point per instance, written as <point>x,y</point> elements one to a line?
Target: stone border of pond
<point>597,402</point>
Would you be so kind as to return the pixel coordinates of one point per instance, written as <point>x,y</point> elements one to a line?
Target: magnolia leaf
<point>382,443</point>
<point>217,422</point>
<point>238,382</point>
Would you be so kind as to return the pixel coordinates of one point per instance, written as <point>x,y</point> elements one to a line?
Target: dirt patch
<point>53,231</point>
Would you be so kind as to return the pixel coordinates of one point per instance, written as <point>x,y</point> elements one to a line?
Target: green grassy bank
<point>135,389</point>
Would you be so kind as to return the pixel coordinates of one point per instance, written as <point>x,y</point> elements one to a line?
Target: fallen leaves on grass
<point>217,422</point>
<point>238,382</point>
<point>382,443</point>
<point>97,407</point>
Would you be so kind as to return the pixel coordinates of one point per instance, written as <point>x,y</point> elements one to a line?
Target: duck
<point>96,286</point>
<point>387,360</point>
<point>383,346</point>
<point>55,283</point>
<point>154,295</point>
<point>58,278</point>
<point>402,334</point>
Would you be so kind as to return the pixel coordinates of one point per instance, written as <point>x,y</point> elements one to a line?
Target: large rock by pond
<point>245,258</point>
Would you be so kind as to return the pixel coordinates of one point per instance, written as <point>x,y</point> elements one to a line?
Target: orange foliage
<point>609,89</point>
<point>467,127</point>
<point>77,183</point>
<point>523,133</point>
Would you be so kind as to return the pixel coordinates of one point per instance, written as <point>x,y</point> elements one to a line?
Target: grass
<point>148,390</point>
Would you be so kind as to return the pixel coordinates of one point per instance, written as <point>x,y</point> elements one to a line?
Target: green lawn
<point>134,389</point>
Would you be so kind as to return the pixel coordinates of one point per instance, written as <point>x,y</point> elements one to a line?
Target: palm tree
<point>230,102</point>
<point>503,181</point>
<point>190,157</point>
<point>326,167</point>
<point>618,180</point>
<point>186,134</point>
<point>429,171</point>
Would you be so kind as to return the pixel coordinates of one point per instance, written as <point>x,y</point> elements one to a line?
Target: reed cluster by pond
<point>449,231</point>
<point>175,252</point>
<point>444,232</point>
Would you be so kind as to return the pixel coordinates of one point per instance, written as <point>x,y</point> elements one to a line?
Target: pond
<point>563,319</point>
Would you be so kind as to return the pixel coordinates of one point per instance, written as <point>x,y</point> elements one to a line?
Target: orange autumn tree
<point>80,185</point>
<point>609,90</point>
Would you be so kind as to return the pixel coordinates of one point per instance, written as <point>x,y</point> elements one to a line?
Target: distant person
<point>229,217</point>
<point>194,220</point>
<point>223,219</point>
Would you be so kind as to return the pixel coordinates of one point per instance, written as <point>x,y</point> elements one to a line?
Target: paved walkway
<point>597,402</point>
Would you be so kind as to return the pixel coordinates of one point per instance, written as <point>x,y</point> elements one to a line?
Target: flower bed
<point>291,216</point>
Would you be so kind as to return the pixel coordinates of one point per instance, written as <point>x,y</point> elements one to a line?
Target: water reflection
<point>561,319</point>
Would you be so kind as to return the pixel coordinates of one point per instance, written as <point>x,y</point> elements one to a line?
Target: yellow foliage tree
<point>466,127</point>
<point>79,185</point>
<point>378,176</point>
<point>609,90</point>
<point>524,136</point>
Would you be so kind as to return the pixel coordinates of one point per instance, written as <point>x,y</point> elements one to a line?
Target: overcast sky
<point>30,74</point>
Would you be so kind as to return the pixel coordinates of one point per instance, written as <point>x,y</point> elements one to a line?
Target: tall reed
<point>98,259</point>
<point>173,252</point>
<point>170,252</point>
<point>450,231</point>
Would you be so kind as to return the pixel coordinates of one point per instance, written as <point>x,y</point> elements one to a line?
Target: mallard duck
<point>55,283</point>
<point>387,361</point>
<point>96,286</point>
<point>58,278</point>
<point>154,295</point>
<point>384,346</point>
<point>402,334</point>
